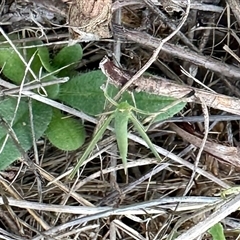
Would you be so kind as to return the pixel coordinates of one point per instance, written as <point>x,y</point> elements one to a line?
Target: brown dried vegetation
<point>156,200</point>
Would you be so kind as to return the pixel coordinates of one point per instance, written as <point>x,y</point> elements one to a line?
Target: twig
<point>155,54</point>
<point>201,119</point>
<point>227,154</point>
<point>165,87</point>
<point>31,86</point>
<point>180,52</point>
<point>141,208</point>
<point>212,219</point>
<point>201,147</point>
<point>234,5</point>
<point>194,5</point>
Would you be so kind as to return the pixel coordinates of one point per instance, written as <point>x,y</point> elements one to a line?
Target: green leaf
<point>65,133</point>
<point>151,103</point>
<point>217,232</point>
<point>67,55</point>
<point>52,90</point>
<point>41,117</point>
<point>13,67</point>
<point>45,59</point>
<point>32,50</point>
<point>84,92</point>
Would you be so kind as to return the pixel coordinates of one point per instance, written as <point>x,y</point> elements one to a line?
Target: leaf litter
<point>151,202</point>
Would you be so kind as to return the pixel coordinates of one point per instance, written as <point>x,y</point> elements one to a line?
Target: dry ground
<point>200,146</point>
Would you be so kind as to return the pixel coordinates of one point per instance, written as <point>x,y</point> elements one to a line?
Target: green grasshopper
<point>121,115</point>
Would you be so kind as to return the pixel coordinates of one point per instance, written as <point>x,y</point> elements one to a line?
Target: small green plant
<point>217,232</point>
<point>83,92</point>
<point>230,191</point>
<point>21,126</point>
<point>64,133</point>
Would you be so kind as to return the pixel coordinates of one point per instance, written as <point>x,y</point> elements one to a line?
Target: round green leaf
<point>84,92</point>
<point>217,232</point>
<point>52,90</point>
<point>45,59</point>
<point>32,55</point>
<point>42,115</point>
<point>154,103</point>
<point>12,65</point>
<point>65,133</point>
<point>68,55</point>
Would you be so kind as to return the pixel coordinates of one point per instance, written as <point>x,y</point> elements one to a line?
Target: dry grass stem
<point>184,49</point>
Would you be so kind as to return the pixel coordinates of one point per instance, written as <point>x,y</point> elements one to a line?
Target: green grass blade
<point>143,134</point>
<point>121,130</point>
<point>91,146</point>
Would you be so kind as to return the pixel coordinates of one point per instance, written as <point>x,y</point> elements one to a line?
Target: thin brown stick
<point>164,87</point>
<point>180,52</point>
<point>230,155</point>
